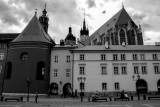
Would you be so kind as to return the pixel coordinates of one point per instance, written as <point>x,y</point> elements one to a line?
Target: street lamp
<point>81,80</point>
<point>138,78</point>
<point>28,81</point>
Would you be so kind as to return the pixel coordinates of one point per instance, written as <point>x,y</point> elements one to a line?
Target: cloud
<point>91,3</point>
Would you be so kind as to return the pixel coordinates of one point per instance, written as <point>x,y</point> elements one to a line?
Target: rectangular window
<point>116,85</point>
<point>55,72</point>
<point>68,58</point>
<point>124,70</point>
<point>136,70</point>
<point>1,56</point>
<point>0,69</point>
<point>104,70</point>
<point>104,86</point>
<point>144,70</point>
<point>55,58</point>
<point>142,56</point>
<point>67,72</point>
<point>123,57</point>
<point>115,57</point>
<point>82,86</point>
<point>103,57</point>
<point>81,70</point>
<point>156,69</point>
<point>115,70</point>
<point>155,56</point>
<point>81,57</point>
<point>135,57</point>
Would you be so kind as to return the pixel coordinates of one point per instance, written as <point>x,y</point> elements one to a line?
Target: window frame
<point>135,57</point>
<point>55,72</point>
<point>81,57</point>
<point>104,86</point>
<point>116,86</point>
<point>103,57</point>
<point>115,57</point>
<point>123,57</point>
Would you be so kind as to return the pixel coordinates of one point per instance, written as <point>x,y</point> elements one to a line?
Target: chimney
<point>61,42</point>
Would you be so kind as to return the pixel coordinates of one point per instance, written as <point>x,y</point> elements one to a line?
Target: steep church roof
<point>119,18</point>
<point>33,32</point>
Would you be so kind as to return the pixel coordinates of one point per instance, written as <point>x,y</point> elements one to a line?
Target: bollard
<point>21,99</point>
<point>131,97</point>
<point>144,97</point>
<point>2,98</point>
<point>110,98</point>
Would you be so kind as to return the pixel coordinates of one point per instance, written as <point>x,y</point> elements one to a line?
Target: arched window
<point>122,36</point>
<point>41,71</point>
<point>8,71</point>
<point>24,56</point>
<point>133,38</point>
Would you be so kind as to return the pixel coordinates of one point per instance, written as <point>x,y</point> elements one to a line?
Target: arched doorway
<point>141,86</point>
<point>158,86</point>
<point>67,89</point>
<point>54,88</point>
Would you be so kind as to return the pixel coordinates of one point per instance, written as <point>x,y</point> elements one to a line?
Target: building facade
<point>117,68</point>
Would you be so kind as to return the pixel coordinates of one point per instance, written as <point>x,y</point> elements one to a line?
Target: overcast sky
<point>15,15</point>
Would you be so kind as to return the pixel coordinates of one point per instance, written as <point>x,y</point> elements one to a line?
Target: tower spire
<point>44,11</point>
<point>84,23</point>
<point>122,5</point>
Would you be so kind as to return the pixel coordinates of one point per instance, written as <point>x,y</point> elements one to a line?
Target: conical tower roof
<point>120,18</point>
<point>33,32</point>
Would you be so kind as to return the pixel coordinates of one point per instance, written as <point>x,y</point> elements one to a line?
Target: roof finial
<point>45,6</point>
<point>122,5</point>
<point>35,11</point>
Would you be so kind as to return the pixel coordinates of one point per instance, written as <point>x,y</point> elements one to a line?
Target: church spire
<point>84,23</point>
<point>44,19</point>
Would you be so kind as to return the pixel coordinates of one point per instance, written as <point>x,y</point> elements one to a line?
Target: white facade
<point>60,69</point>
<point>93,65</point>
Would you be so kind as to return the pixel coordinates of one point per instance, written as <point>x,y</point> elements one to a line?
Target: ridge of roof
<point>33,32</point>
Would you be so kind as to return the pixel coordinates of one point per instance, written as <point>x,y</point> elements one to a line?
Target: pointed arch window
<point>122,36</point>
<point>41,70</point>
<point>8,71</point>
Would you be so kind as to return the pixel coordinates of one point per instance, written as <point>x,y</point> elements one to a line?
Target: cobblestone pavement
<point>69,102</point>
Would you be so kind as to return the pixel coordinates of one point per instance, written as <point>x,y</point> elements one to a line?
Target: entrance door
<point>67,89</point>
<point>54,88</point>
<point>158,86</point>
<point>141,86</point>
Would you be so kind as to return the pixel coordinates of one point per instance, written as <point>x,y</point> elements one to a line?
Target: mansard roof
<point>33,32</point>
<point>120,18</point>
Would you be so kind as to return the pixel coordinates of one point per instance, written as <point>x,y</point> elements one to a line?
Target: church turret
<point>84,34</point>
<point>44,20</point>
<point>70,39</point>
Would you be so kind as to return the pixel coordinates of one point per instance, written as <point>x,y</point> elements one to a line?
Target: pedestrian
<point>122,95</point>
<point>76,94</point>
<point>36,97</point>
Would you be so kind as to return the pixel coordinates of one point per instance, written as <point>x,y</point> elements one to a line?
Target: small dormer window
<point>24,56</point>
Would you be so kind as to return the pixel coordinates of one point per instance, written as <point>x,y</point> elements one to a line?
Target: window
<point>81,86</point>
<point>55,58</point>
<point>156,70</point>
<point>104,86</point>
<point>1,56</point>
<point>123,57</point>
<point>116,70</point>
<point>122,36</point>
<point>0,69</point>
<point>124,71</point>
<point>104,70</point>
<point>24,56</point>
<point>81,70</point>
<point>55,72</point>
<point>9,70</point>
<point>115,57</point>
<point>68,58</point>
<point>144,70</point>
<point>136,70</point>
<point>155,57</point>
<point>135,57</point>
<point>81,56</point>
<point>67,72</point>
<point>116,85</point>
<point>40,71</point>
<point>103,57</point>
<point>142,56</point>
